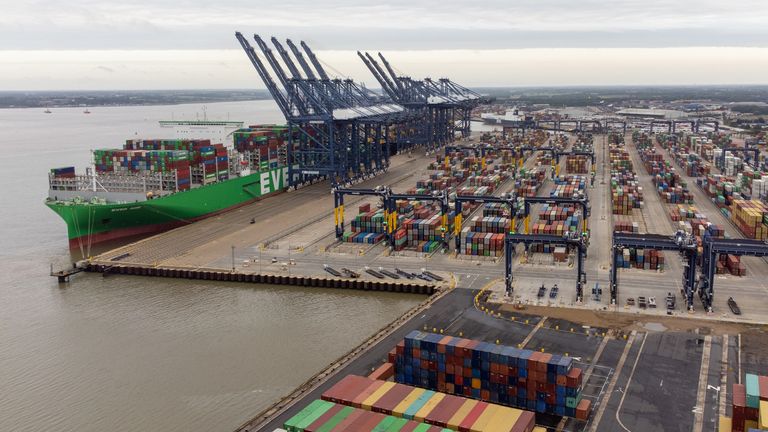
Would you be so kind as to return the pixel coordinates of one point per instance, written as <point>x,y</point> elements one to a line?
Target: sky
<point>190,44</point>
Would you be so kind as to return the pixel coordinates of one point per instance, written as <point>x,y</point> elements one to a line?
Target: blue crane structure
<point>572,125</point>
<point>746,150</point>
<point>686,244</point>
<point>569,240</point>
<point>440,104</point>
<point>712,248</point>
<point>389,205</point>
<point>680,242</point>
<point>518,207</point>
<point>338,129</point>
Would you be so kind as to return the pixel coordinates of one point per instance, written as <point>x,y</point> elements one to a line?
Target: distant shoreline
<point>75,99</point>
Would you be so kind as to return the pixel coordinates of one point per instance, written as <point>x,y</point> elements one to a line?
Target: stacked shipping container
<point>749,406</point>
<point>114,161</point>
<point>407,403</point>
<point>576,164</point>
<point>751,217</point>
<point>367,226</point>
<point>532,380</point>
<point>626,192</point>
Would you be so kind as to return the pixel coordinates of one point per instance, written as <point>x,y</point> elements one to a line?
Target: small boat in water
<point>86,111</point>
<point>47,111</point>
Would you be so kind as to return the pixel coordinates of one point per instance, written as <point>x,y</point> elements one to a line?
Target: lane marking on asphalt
<point>598,353</point>
<point>599,415</point>
<point>533,332</point>
<point>629,382</point>
<point>701,392</point>
<point>723,394</point>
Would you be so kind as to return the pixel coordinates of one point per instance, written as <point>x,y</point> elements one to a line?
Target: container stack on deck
<point>626,192</point>
<point>749,406</point>
<point>212,160</point>
<point>114,161</point>
<point>404,403</point>
<point>63,172</point>
<point>505,375</point>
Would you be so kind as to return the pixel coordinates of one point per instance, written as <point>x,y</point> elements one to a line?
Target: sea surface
<point>141,354</point>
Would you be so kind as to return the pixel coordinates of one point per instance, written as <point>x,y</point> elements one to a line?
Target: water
<point>141,354</point>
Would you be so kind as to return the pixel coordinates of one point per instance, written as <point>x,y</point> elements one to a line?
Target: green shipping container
<point>292,425</point>
<point>384,425</point>
<point>753,391</point>
<point>310,418</point>
<point>335,420</point>
<point>397,425</point>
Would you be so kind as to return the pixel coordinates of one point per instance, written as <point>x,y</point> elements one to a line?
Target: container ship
<point>511,118</point>
<point>152,185</point>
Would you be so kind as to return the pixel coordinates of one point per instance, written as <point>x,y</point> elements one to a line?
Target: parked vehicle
<point>670,301</point>
<point>734,307</point>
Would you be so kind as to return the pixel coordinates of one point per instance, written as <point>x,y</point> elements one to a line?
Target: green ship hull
<point>89,223</point>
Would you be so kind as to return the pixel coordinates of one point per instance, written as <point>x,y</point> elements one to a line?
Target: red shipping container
<point>346,389</point>
<point>573,378</point>
<point>383,372</point>
<point>583,409</point>
<point>763,385</point>
<point>324,418</point>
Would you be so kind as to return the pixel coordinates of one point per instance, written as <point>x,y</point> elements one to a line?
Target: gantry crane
<point>747,150</point>
<point>341,131</point>
<point>438,102</point>
<point>714,247</point>
<point>569,239</point>
<point>680,242</point>
<point>389,205</point>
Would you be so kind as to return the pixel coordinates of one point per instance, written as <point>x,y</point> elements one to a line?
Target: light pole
<point>233,258</point>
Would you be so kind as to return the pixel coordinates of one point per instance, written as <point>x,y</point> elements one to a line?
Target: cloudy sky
<point>106,44</point>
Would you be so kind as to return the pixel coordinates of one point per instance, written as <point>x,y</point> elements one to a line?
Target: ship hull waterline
<point>89,224</point>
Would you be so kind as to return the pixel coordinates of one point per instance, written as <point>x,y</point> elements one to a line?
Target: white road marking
<point>599,415</point>
<point>723,395</point>
<point>698,420</point>
<point>629,382</point>
<point>533,332</point>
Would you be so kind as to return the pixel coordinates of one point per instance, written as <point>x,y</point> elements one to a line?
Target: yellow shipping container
<point>725,424</point>
<point>485,417</point>
<point>541,429</point>
<point>504,420</point>
<point>428,407</point>
<point>381,391</point>
<point>763,415</point>
<point>402,407</point>
<point>461,413</point>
